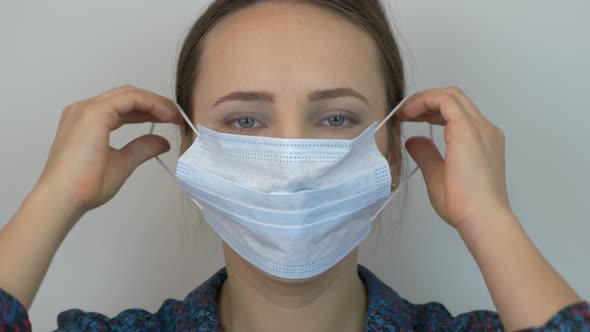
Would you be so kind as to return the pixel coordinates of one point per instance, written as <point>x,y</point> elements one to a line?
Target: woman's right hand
<point>82,172</point>
<point>82,167</point>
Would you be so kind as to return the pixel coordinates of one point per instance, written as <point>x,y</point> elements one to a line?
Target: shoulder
<point>197,312</point>
<point>387,311</point>
<point>13,315</point>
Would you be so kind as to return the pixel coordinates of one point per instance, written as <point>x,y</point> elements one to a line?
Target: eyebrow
<point>337,93</point>
<point>268,97</point>
<point>263,96</point>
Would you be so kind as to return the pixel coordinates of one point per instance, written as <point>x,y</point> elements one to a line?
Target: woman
<point>265,83</point>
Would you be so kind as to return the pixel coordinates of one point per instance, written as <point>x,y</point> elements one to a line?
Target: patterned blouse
<point>387,311</point>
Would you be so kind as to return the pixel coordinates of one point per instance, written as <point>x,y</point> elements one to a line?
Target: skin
<point>306,50</point>
<point>291,51</point>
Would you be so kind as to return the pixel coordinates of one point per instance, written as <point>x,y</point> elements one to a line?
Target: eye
<point>338,120</point>
<point>246,123</point>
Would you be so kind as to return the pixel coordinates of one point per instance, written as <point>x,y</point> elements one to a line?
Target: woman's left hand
<point>468,190</point>
<point>468,185</point>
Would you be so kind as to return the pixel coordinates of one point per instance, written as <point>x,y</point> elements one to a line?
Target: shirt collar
<point>385,308</point>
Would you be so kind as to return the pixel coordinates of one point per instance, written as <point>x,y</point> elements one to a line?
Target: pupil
<point>336,120</point>
<point>246,123</point>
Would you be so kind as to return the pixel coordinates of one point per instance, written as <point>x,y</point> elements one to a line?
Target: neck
<point>252,300</point>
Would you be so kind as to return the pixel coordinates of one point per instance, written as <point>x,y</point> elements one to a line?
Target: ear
<point>394,151</point>
<point>187,138</point>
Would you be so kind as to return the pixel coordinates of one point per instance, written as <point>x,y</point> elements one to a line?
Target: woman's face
<point>290,71</point>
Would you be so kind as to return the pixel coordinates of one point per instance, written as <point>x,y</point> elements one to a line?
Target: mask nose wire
<point>416,168</point>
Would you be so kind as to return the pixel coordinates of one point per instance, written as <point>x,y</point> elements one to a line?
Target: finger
<point>140,117</point>
<point>430,117</point>
<point>137,100</point>
<point>114,91</point>
<point>426,155</point>
<point>433,101</point>
<point>143,149</point>
<point>130,88</point>
<point>165,100</point>
<point>468,105</point>
<point>432,165</point>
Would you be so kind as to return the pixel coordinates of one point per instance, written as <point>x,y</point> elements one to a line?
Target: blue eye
<point>245,123</point>
<point>336,121</point>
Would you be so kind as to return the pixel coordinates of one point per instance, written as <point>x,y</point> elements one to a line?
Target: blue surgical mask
<point>291,207</point>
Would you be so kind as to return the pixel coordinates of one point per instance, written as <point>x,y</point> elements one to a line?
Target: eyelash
<point>232,122</point>
<point>349,118</point>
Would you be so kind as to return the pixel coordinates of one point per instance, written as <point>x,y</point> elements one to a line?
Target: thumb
<point>432,165</point>
<point>143,149</point>
<point>425,153</point>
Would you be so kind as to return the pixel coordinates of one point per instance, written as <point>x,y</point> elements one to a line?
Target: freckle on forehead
<point>307,50</point>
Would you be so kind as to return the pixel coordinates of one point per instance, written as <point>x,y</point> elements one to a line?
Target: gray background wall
<point>525,64</point>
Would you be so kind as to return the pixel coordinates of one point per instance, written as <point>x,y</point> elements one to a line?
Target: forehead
<point>289,46</point>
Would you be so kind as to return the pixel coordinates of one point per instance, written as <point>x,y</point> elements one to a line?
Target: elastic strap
<point>407,179</point>
<point>189,122</point>
<point>387,118</point>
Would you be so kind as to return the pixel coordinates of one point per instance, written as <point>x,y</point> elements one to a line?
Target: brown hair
<point>368,14</point>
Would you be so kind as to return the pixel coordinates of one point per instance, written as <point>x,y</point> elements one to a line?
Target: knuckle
<point>127,87</point>
<point>95,114</point>
<point>493,132</point>
<point>500,133</point>
<point>68,110</point>
<point>132,93</point>
<point>90,111</point>
<point>449,100</point>
<point>73,108</point>
<point>455,90</point>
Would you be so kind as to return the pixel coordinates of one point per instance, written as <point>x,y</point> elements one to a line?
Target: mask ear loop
<point>407,179</point>
<point>189,122</point>
<point>166,168</point>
